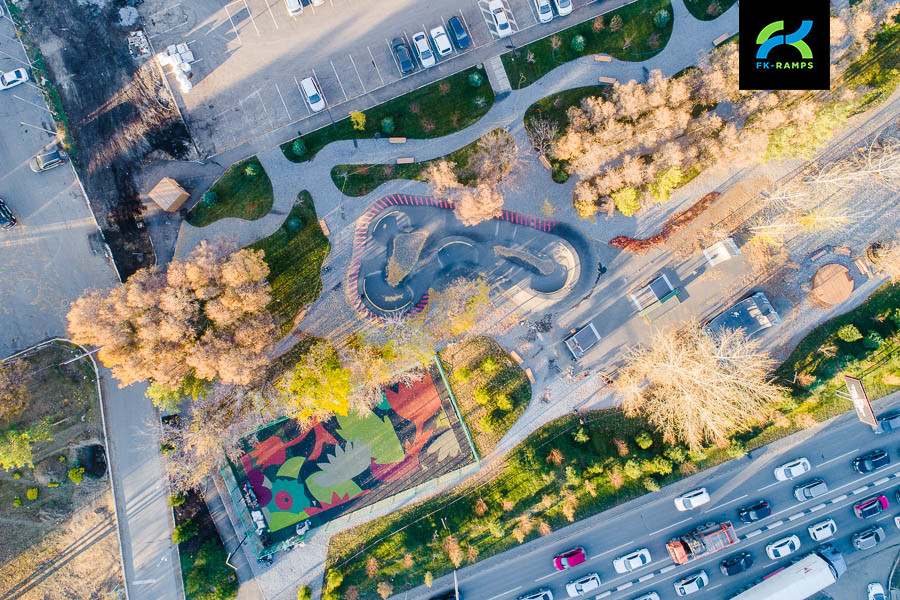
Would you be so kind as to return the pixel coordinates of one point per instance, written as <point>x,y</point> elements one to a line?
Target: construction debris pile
<point>179,58</point>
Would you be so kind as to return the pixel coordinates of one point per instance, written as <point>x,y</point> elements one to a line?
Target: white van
<point>294,7</point>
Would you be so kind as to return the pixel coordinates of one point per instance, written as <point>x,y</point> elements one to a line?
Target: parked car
<point>11,79</point>
<point>889,422</point>
<point>7,218</point>
<point>294,7</point>
<point>423,49</point>
<point>312,94</point>
<point>544,10</point>
<point>563,7</point>
<point>871,507</point>
<point>404,59</point>
<point>458,33</point>
<point>736,564</point>
<point>588,583</point>
<point>822,530</point>
<point>810,490</point>
<point>875,591</point>
<point>874,460</point>
<point>792,469</point>
<point>691,500</point>
<point>756,512</point>
<point>441,42</point>
<point>868,538</point>
<point>47,160</point>
<point>783,547</point>
<point>498,16</point>
<point>632,560</point>
<point>538,595</point>
<point>691,583</point>
<point>648,596</point>
<point>569,559</point>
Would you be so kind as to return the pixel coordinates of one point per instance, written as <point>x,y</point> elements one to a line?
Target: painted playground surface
<point>304,479</point>
<point>542,256</point>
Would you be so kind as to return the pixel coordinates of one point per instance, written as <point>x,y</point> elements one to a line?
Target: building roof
<point>168,194</point>
<point>752,314</point>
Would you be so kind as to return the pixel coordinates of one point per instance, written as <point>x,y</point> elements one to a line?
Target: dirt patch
<point>677,222</point>
<point>119,112</point>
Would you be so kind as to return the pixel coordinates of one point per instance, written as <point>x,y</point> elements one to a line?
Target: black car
<point>736,564</point>
<point>874,460</point>
<point>890,422</point>
<point>758,511</point>
<point>458,33</point>
<point>404,59</point>
<point>7,219</point>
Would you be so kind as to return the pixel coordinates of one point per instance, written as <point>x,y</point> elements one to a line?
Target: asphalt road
<point>652,520</point>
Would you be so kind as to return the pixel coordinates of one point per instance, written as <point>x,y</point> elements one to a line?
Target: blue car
<point>7,219</point>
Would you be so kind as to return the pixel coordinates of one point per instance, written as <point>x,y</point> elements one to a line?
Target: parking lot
<point>249,56</point>
<point>54,252</point>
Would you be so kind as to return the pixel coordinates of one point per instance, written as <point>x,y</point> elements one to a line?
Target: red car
<point>569,559</point>
<point>871,507</point>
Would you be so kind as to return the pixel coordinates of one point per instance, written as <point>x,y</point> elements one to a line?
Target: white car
<point>423,49</point>
<point>876,591</point>
<point>792,469</point>
<point>692,583</point>
<point>822,531</point>
<point>313,96</point>
<point>441,41</point>
<point>691,500</point>
<point>11,79</point>
<point>783,547</point>
<point>588,583</point>
<point>631,561</point>
<point>544,10</point>
<point>563,7</point>
<point>648,596</point>
<point>498,15</point>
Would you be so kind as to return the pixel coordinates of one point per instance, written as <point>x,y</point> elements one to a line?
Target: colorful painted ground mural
<point>351,461</point>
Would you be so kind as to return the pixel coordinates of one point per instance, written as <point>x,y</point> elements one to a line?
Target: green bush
<point>207,577</point>
<point>581,436</point>
<point>650,484</point>
<point>209,198</point>
<point>304,593</point>
<point>503,402</point>
<point>633,469</point>
<point>675,454</point>
<point>185,531</point>
<point>572,477</point>
<point>76,475</point>
<point>873,340</point>
<point>627,201</point>
<point>736,449</point>
<point>462,374</point>
<point>643,440</point>
<point>165,449</point>
<point>662,18</point>
<point>177,499</point>
<point>387,125</point>
<point>849,333</point>
<point>475,79</point>
<point>298,147</point>
<point>697,455</point>
<point>490,365</point>
<point>657,465</point>
<point>252,169</point>
<point>31,493</point>
<point>333,580</point>
<point>495,528</point>
<point>559,173</point>
<point>17,501</point>
<point>17,475</point>
<point>578,43</point>
<point>481,396</point>
<point>486,423</point>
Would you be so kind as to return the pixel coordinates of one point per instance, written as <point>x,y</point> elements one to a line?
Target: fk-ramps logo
<point>784,45</point>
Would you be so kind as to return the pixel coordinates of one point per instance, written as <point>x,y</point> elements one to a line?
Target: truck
<point>706,539</point>
<point>801,579</point>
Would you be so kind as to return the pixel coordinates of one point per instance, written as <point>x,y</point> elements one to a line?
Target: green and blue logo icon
<point>767,40</point>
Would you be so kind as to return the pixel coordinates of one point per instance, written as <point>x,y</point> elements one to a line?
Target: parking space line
<point>353,62</point>
<point>283,102</point>
<point>233,28</point>
<point>159,33</point>
<point>252,20</point>
<point>309,112</point>
<point>372,56</point>
<point>338,79</point>
<point>394,56</point>
<point>518,587</point>
<point>272,14</point>
<point>14,58</point>
<point>165,8</point>
<point>16,96</point>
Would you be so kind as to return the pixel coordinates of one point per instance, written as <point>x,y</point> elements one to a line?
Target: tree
<point>168,400</point>
<point>441,176</point>
<point>253,168</point>
<point>458,307</point>
<point>542,133</point>
<point>16,445</point>
<point>185,531</point>
<point>317,387</point>
<point>204,317</point>
<point>577,44</point>
<point>497,156</point>
<point>696,388</point>
<point>616,23</point>
<point>627,201</point>
<point>76,474</point>
<point>453,550</point>
<point>662,18</point>
<point>385,589</point>
<point>357,120</point>
<point>298,147</point>
<point>14,393</point>
<point>849,333</point>
<point>475,206</point>
<point>429,579</point>
<point>209,198</point>
<point>387,125</point>
<point>887,260</point>
<point>304,593</point>
<point>475,79</point>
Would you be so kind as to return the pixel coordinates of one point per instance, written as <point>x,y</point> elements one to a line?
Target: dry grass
<point>407,247</point>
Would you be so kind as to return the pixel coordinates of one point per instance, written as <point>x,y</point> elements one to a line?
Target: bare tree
<point>696,388</point>
<point>497,156</point>
<point>458,307</point>
<point>888,260</point>
<point>14,394</point>
<point>476,205</point>
<point>542,133</point>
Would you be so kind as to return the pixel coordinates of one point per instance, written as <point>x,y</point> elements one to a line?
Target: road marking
<point>518,587</point>
<point>777,523</point>
<point>838,457</point>
<point>859,490</point>
<point>753,533</point>
<point>605,594</point>
<point>884,517</point>
<point>768,486</point>
<point>302,95</point>
<point>817,507</point>
<point>271,14</point>
<point>145,581</point>
<point>233,28</point>
<point>625,586</point>
<point>672,525</point>
<point>394,56</point>
<point>796,516</point>
<point>646,577</point>
<point>881,481</point>
<point>32,103</point>
<point>357,74</point>
<point>667,569</point>
<point>612,549</point>
<point>714,587</point>
<point>839,498</point>
<point>283,102</point>
<point>252,20</point>
<point>718,506</point>
<point>338,79</point>
<point>374,64</point>
<point>545,577</point>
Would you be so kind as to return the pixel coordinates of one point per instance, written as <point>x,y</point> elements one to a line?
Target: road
<point>650,521</point>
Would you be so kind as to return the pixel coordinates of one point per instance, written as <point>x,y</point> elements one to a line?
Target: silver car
<point>789,470</point>
<point>692,583</point>
<point>588,583</point>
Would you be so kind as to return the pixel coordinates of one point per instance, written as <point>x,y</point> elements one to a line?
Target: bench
<point>406,160</point>
<point>842,250</point>
<point>721,39</point>
<point>515,356</point>
<point>397,140</point>
<point>602,58</point>
<point>863,268</point>
<point>529,374</point>
<point>818,254</point>
<point>607,79</point>
<point>545,162</point>
<point>324,227</point>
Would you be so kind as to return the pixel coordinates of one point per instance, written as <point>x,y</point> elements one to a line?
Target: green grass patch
<point>707,10</point>
<point>435,110</point>
<point>295,254</point>
<point>878,68</point>
<point>359,180</point>
<point>491,390</point>
<point>628,33</point>
<point>238,195</point>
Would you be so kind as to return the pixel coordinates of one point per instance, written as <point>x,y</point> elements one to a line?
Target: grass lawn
<point>239,195</point>
<point>295,254</point>
<point>362,179</point>
<point>635,38</point>
<point>434,110</point>
<point>203,555</point>
<point>707,10</point>
<point>484,378</point>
